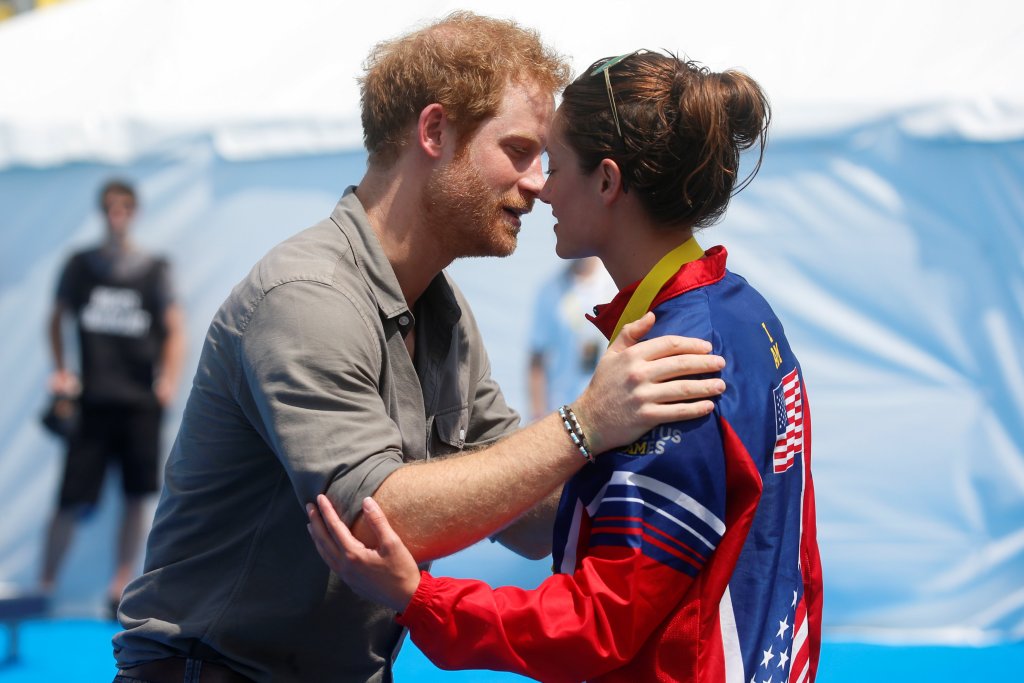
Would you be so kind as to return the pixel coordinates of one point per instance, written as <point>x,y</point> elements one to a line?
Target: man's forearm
<point>56,338</point>
<point>172,354</point>
<point>442,506</point>
<point>530,534</point>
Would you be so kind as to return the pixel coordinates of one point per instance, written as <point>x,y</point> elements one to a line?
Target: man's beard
<point>466,216</point>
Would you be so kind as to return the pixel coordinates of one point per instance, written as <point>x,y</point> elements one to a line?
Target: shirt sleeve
<point>311,362</point>
<point>651,524</point>
<point>164,285</point>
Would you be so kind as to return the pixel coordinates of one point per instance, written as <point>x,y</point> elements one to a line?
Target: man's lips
<point>516,213</point>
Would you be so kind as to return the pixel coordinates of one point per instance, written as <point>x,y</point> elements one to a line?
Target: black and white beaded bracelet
<point>575,431</point>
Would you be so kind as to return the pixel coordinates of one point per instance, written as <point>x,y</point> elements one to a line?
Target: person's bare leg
<point>58,538</point>
<point>129,545</point>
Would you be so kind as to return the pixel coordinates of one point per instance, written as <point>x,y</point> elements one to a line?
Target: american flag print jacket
<point>689,555</point>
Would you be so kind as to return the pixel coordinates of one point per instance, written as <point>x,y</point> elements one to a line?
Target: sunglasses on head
<point>604,68</point>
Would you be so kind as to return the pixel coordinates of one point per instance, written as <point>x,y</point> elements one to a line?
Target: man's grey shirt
<point>304,385</point>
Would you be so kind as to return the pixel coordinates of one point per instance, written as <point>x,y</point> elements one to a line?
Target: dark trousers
<point>179,670</point>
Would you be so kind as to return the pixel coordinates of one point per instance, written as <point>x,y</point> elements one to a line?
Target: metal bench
<point>15,607</point>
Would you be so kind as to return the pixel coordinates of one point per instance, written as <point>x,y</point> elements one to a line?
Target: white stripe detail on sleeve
<point>572,542</point>
<point>683,500</point>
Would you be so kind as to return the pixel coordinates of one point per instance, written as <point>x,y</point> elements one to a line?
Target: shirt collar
<point>377,271</point>
<point>692,275</point>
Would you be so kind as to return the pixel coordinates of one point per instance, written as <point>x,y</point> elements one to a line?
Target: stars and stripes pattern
<point>785,657</point>
<point>789,422</point>
<point>800,664</point>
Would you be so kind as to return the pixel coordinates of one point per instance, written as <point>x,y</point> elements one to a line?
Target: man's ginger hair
<point>464,63</point>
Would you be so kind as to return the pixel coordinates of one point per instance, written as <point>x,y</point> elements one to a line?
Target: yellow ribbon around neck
<point>652,283</point>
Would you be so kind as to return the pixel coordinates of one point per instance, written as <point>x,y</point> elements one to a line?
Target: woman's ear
<point>609,178</point>
<point>432,130</point>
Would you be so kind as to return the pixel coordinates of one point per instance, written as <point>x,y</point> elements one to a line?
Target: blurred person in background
<point>130,333</point>
<point>564,346</point>
<point>689,555</point>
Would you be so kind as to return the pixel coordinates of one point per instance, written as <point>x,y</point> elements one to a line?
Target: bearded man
<point>348,363</point>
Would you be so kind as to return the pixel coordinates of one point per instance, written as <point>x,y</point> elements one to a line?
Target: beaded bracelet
<point>575,431</point>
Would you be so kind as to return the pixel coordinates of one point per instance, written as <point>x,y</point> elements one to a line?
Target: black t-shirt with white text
<point>118,299</point>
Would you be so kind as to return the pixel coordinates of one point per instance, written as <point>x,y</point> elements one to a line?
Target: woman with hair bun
<point>689,555</point>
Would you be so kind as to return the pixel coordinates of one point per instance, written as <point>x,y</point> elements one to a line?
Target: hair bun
<point>682,130</point>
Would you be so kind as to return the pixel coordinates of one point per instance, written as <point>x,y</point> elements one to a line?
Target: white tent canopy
<point>886,228</point>
<point>114,80</point>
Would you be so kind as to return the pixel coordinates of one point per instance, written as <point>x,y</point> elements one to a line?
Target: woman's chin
<point>567,251</point>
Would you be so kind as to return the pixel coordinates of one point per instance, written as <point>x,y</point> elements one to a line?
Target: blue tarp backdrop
<point>890,245</point>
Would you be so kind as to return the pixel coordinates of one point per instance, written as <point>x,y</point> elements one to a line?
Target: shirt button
<point>403,321</point>
<point>462,434</point>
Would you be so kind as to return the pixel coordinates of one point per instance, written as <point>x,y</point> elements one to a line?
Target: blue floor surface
<point>79,650</point>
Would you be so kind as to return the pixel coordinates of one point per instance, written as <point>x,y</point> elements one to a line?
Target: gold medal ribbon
<point>648,289</point>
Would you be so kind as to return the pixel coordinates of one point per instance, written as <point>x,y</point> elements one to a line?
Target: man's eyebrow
<point>530,138</point>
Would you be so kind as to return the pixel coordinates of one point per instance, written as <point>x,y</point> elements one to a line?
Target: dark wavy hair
<point>682,130</point>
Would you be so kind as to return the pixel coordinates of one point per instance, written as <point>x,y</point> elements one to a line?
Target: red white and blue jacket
<point>689,555</point>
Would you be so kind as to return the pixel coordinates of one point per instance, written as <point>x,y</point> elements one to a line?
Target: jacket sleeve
<point>650,525</point>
